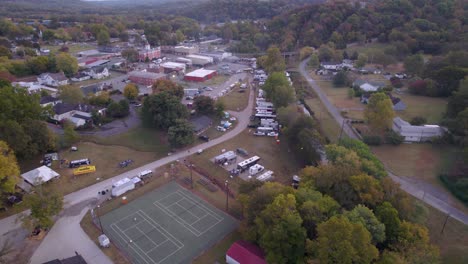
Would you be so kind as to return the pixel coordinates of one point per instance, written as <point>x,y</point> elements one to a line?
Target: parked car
<point>242,151</point>
<point>205,138</point>
<point>221,129</point>
<point>189,98</point>
<point>272,134</point>
<point>256,133</point>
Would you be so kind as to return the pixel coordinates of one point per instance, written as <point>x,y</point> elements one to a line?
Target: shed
<point>243,252</point>
<point>39,175</point>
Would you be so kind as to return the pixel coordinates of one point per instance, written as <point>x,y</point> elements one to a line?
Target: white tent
<point>39,175</point>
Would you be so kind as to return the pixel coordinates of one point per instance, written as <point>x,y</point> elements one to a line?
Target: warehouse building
<point>200,60</point>
<point>145,78</point>
<point>200,75</point>
<point>185,50</point>
<point>170,66</point>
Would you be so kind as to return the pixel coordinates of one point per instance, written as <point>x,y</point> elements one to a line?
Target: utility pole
<point>99,218</point>
<point>227,194</point>
<point>341,132</point>
<point>445,223</point>
<point>191,178</point>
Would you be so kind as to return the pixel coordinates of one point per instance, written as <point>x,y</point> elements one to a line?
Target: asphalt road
<point>66,236</point>
<point>430,196</point>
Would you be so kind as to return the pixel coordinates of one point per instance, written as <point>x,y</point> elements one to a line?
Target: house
<point>52,79</point>
<point>78,114</point>
<point>398,104</point>
<point>49,100</point>
<point>416,133</point>
<point>331,66</point>
<point>145,78</point>
<point>368,86</point>
<point>80,76</point>
<point>98,73</point>
<point>243,252</point>
<point>200,75</point>
<point>92,89</point>
<point>39,175</point>
<point>348,64</point>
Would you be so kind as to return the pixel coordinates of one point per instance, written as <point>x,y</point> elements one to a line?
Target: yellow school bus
<point>84,170</point>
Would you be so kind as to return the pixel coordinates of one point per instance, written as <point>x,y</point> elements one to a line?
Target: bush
<point>418,87</point>
<point>396,82</point>
<point>459,187</point>
<point>341,79</point>
<point>372,140</point>
<point>418,120</point>
<point>391,137</point>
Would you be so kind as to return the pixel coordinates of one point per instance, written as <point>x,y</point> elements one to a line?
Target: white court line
<point>186,210</point>
<point>177,219</point>
<point>123,245</point>
<point>173,193</point>
<point>154,243</point>
<point>132,245</point>
<point>179,247</point>
<point>122,219</point>
<point>214,214</point>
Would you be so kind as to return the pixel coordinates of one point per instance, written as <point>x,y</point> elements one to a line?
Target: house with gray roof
<point>416,133</point>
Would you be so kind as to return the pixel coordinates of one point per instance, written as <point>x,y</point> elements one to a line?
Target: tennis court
<point>167,225</point>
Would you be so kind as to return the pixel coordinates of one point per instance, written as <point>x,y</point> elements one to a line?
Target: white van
<point>145,174</point>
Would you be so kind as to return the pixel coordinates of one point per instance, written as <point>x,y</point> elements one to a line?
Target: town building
<point>145,77</point>
<point>186,50</point>
<point>170,66</point>
<point>149,53</point>
<point>52,79</point>
<point>200,75</point>
<point>416,133</point>
<point>98,73</point>
<point>200,60</point>
<point>78,114</point>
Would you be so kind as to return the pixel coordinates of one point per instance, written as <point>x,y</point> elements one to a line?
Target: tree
<point>367,188</point>
<point>71,94</point>
<point>5,52</point>
<point>43,205</point>
<point>279,90</point>
<point>363,215</point>
<point>379,111</point>
<point>414,245</point>
<point>414,64</point>
<point>118,109</point>
<point>204,104</point>
<point>340,241</point>
<point>459,99</point>
<point>219,108</point>
<point>70,136</point>
<point>162,110</point>
<point>130,91</point>
<point>130,54</point>
<point>388,215</point>
<point>314,61</point>
<point>67,63</point>
<point>361,60</point>
<point>305,52</point>
<point>281,233</point>
<point>168,86</point>
<point>341,79</point>
<point>274,60</point>
<point>181,133</point>
<point>103,38</point>
<point>9,170</point>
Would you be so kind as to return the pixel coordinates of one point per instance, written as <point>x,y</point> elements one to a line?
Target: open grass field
<point>139,138</point>
<point>167,225</point>
<point>337,95</point>
<point>273,156</point>
<point>235,100</point>
<point>105,158</point>
<point>431,108</point>
<point>453,242</point>
<point>328,125</point>
<point>73,48</point>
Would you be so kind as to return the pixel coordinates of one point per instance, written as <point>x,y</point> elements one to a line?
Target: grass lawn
<point>139,138</point>
<point>338,96</point>
<point>453,242</point>
<point>429,107</point>
<point>421,162</point>
<point>217,254</point>
<point>235,100</point>
<point>273,156</point>
<point>328,125</point>
<point>73,48</point>
<point>367,48</point>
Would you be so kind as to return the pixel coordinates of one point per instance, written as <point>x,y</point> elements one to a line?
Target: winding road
<point>67,237</point>
<point>430,196</point>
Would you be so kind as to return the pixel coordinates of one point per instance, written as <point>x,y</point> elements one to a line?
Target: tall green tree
<point>414,64</point>
<point>379,111</point>
<point>361,60</point>
<point>103,38</point>
<point>181,133</point>
<point>168,86</point>
<point>388,215</point>
<point>279,90</point>
<point>9,170</point>
<point>70,136</point>
<point>130,91</point>
<point>281,233</point>
<point>71,94</point>
<point>43,205</point>
<point>162,110</point>
<point>67,63</point>
<point>274,60</point>
<point>341,241</point>
<point>363,215</point>
<point>204,104</point>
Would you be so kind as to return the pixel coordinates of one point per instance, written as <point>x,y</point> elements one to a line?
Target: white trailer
<point>226,157</point>
<point>200,60</point>
<point>248,163</point>
<point>266,176</point>
<point>265,129</point>
<point>265,104</point>
<point>255,169</point>
<point>122,186</point>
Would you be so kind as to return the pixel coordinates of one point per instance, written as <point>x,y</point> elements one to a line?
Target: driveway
<point>430,196</point>
<point>66,236</point>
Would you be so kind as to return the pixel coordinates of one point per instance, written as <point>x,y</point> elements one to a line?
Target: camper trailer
<point>266,176</point>
<point>255,169</point>
<point>244,165</point>
<point>228,156</point>
<point>122,186</point>
<point>78,163</point>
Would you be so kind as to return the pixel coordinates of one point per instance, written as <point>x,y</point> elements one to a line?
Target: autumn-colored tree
<point>43,205</point>
<point>363,215</point>
<point>281,233</point>
<point>368,189</point>
<point>379,111</point>
<point>340,241</point>
<point>274,60</point>
<point>130,91</point>
<point>9,169</point>
<point>414,245</point>
<point>67,63</point>
<point>71,94</point>
<point>168,86</point>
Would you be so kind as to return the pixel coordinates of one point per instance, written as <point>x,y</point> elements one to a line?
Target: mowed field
<point>431,108</point>
<point>235,100</point>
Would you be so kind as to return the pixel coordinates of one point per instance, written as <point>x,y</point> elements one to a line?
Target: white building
<point>416,133</point>
<point>52,79</point>
<point>39,175</point>
<point>200,60</point>
<point>99,73</point>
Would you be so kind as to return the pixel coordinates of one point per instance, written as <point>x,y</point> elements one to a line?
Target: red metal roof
<point>246,253</point>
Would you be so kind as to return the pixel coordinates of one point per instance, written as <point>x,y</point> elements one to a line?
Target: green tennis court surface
<point>167,225</point>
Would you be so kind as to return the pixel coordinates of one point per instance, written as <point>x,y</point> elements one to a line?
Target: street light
<point>190,165</point>
<point>99,218</point>
<point>226,186</point>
